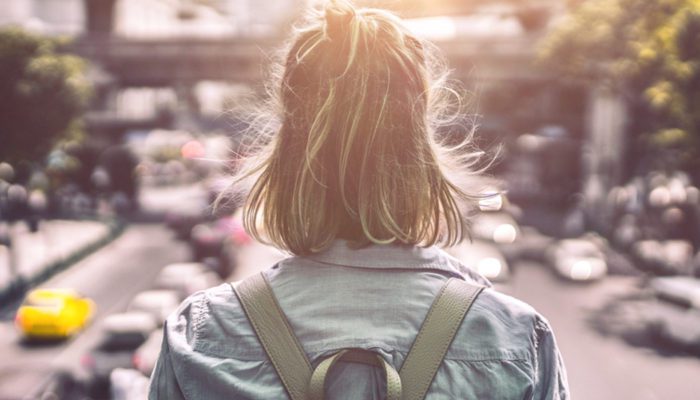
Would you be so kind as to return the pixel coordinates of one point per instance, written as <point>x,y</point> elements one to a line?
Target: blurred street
<point>111,277</point>
<point>123,121</point>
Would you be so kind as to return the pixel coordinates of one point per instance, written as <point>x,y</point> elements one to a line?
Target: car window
<point>114,341</point>
<point>47,302</point>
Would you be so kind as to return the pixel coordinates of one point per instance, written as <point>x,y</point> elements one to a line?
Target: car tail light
<point>18,320</point>
<point>87,361</point>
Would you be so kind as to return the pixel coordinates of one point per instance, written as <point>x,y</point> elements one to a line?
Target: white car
<point>483,257</point>
<point>186,278</point>
<point>577,259</point>
<point>158,303</point>
<point>665,257</point>
<point>498,227</point>
<point>683,290</point>
<point>122,334</point>
<point>146,355</point>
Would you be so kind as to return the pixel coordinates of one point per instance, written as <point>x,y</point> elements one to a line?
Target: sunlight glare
<point>433,28</point>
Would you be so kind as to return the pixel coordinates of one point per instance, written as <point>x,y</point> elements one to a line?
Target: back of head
<point>355,156</point>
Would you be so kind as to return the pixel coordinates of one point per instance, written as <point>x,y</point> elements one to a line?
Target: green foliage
<point>42,95</point>
<point>647,50</point>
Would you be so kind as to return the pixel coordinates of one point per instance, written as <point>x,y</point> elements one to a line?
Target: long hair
<point>356,155</point>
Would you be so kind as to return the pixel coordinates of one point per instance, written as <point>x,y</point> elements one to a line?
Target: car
<point>579,259</point>
<point>664,257</point>
<point>496,226</point>
<point>215,243</point>
<point>182,221</point>
<point>682,290</point>
<point>483,257</point>
<point>158,303</point>
<point>531,245</point>
<point>186,278</point>
<point>147,354</point>
<point>491,200</point>
<point>50,313</point>
<point>122,334</point>
<point>673,324</point>
<point>207,241</point>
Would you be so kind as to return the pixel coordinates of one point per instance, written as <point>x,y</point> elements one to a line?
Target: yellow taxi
<point>53,313</point>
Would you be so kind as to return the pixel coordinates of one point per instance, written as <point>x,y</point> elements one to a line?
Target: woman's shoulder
<point>500,326</point>
<point>209,320</point>
<point>196,307</point>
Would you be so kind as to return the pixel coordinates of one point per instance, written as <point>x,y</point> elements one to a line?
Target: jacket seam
<point>198,319</point>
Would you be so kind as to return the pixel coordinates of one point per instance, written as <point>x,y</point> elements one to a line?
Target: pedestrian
<point>354,184</point>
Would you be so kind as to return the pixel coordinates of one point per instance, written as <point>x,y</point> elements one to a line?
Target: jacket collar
<point>396,256</point>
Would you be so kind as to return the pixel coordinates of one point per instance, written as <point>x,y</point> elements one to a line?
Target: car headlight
<point>504,233</point>
<point>581,270</point>
<point>490,267</point>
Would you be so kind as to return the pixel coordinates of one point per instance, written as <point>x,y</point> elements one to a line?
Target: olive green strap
<point>275,334</point>
<point>318,379</point>
<point>435,336</point>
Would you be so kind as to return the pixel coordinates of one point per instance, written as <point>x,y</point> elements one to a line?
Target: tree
<point>42,95</point>
<point>649,51</point>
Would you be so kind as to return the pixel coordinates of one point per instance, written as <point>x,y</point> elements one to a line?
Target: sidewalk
<point>56,244</point>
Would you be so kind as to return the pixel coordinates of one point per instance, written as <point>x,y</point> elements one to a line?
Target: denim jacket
<point>373,298</point>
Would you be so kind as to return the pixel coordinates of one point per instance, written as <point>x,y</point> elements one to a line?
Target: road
<point>111,277</point>
<point>604,366</point>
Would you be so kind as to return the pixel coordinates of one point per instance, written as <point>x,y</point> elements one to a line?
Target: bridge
<point>171,62</point>
<point>182,61</point>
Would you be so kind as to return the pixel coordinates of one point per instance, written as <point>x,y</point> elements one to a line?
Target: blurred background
<point>118,122</point>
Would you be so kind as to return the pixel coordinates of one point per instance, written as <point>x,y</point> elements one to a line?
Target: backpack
<point>303,382</point>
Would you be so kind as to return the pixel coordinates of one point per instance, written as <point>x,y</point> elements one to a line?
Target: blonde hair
<point>355,154</point>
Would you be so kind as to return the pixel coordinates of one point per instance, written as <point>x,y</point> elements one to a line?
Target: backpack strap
<point>295,371</point>
<point>275,334</point>
<point>318,379</point>
<point>435,336</point>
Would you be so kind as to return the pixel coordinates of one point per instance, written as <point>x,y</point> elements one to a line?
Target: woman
<point>355,184</point>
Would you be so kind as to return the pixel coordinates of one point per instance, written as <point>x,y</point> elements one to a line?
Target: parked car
<point>147,354</point>
<point>53,314</point>
<point>122,334</point>
<point>158,303</point>
<point>186,278</point>
<point>483,257</point>
<point>578,259</point>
